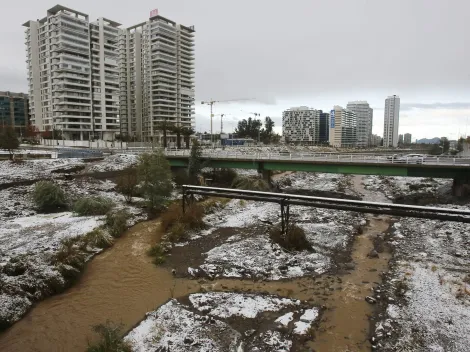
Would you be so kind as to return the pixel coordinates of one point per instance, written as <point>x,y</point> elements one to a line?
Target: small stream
<point>122,284</point>
<point>119,285</point>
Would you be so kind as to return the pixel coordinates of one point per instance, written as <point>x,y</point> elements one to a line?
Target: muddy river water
<point>122,284</point>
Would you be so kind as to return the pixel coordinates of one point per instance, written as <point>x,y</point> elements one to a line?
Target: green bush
<point>70,253</point>
<point>116,222</point>
<point>88,206</point>
<point>158,252</point>
<point>48,196</point>
<point>110,339</point>
<point>98,238</point>
<point>295,238</point>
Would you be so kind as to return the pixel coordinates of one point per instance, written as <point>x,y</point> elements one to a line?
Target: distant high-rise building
<point>301,125</point>
<point>324,127</point>
<point>407,139</point>
<point>376,140</point>
<point>400,139</point>
<point>14,111</point>
<point>73,75</point>
<point>364,115</point>
<point>157,78</point>
<point>342,127</point>
<point>391,121</point>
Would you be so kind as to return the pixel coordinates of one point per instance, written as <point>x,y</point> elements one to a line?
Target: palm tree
<point>178,130</point>
<point>187,132</point>
<point>164,127</point>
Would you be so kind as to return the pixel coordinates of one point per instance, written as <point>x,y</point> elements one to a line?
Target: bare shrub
<point>127,183</point>
<point>192,217</point>
<point>250,183</point>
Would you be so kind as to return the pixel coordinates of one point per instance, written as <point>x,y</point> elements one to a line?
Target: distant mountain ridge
<point>435,140</point>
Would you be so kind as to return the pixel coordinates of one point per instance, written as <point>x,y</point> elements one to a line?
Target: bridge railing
<point>327,157</point>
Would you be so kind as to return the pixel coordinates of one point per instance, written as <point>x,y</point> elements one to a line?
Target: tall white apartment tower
<point>156,78</point>
<point>72,74</point>
<point>391,120</point>
<point>343,127</point>
<point>301,124</point>
<point>364,115</point>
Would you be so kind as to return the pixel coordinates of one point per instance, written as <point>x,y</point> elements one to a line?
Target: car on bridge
<point>410,159</point>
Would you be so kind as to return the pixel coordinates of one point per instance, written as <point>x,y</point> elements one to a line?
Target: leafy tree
<point>445,145</point>
<point>154,174</point>
<point>249,128</point>
<point>267,133</point>
<point>460,143</point>
<point>435,149</point>
<point>187,132</point>
<point>9,140</point>
<point>195,162</point>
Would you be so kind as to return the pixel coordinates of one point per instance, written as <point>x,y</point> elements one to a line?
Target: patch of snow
<point>173,325</point>
<point>227,304</point>
<point>285,319</point>
<point>114,163</point>
<point>305,321</point>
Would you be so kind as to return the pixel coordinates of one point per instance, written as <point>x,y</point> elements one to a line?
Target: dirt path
<point>120,285</point>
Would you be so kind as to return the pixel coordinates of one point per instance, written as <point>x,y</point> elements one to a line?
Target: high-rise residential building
<point>301,125</point>
<point>364,115</point>
<point>14,111</point>
<point>407,139</point>
<point>343,127</point>
<point>400,139</point>
<point>376,140</point>
<point>324,127</point>
<point>157,78</point>
<point>72,74</point>
<point>391,121</point>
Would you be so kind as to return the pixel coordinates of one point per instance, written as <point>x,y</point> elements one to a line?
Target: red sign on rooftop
<point>153,13</point>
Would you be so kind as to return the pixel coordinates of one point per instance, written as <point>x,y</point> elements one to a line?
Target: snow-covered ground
<point>430,285</point>
<point>249,252</point>
<point>224,321</point>
<point>114,163</point>
<point>33,169</point>
<point>397,186</point>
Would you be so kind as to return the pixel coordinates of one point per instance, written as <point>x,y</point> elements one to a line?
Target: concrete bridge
<point>438,167</point>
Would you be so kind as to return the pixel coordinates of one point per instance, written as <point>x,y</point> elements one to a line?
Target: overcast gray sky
<point>317,53</point>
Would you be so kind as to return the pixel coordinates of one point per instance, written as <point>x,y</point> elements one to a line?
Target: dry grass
<point>191,218</point>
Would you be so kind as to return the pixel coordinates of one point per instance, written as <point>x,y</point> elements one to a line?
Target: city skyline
<point>244,61</point>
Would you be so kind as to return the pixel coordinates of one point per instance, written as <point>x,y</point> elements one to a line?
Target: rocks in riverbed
<point>371,300</point>
<point>373,254</point>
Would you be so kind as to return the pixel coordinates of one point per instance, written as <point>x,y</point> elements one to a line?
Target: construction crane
<point>221,121</point>
<point>212,102</point>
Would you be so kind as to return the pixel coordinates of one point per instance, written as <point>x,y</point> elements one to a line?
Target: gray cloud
<point>315,53</point>
<point>451,106</point>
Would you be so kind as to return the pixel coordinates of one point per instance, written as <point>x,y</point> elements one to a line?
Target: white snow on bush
<point>175,327</point>
<point>227,304</point>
